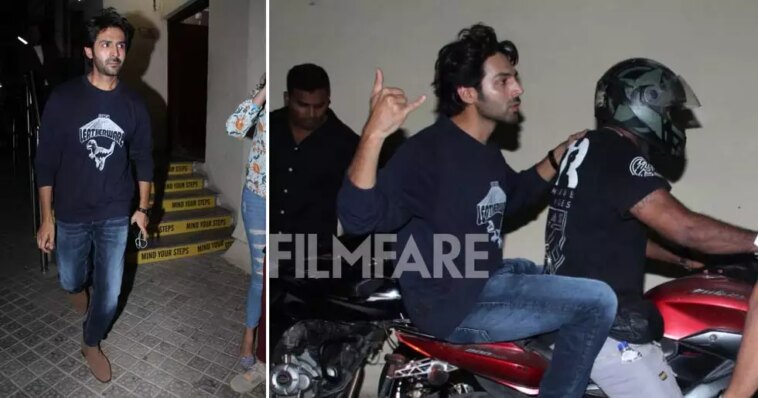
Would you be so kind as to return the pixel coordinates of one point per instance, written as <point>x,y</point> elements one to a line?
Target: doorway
<point>188,81</point>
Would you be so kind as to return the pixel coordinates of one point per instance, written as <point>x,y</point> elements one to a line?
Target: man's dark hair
<point>307,77</point>
<point>108,18</point>
<point>461,63</point>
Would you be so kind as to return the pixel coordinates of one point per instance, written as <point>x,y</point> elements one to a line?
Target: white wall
<point>564,46</point>
<point>236,57</point>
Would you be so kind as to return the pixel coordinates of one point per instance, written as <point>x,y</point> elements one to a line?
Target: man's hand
<point>262,81</point>
<point>389,108</point>
<point>141,220</point>
<point>561,148</point>
<point>46,237</point>
<point>691,265</point>
<point>545,168</point>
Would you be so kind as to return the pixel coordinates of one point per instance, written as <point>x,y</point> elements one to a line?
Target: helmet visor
<point>681,114</point>
<point>690,99</point>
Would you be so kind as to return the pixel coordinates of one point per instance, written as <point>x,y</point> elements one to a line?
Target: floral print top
<point>257,117</point>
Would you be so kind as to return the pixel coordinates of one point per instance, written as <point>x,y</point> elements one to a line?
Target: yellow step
<point>190,200</point>
<point>194,221</point>
<point>158,254</point>
<point>180,168</point>
<point>183,183</point>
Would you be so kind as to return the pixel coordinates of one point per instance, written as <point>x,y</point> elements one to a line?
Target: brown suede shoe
<point>80,301</point>
<point>98,363</point>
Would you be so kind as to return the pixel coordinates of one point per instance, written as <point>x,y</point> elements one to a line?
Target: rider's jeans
<point>519,301</point>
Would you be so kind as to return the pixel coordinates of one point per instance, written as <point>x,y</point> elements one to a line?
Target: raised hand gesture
<point>389,108</point>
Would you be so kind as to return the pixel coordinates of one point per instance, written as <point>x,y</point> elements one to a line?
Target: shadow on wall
<point>137,62</point>
<point>146,34</point>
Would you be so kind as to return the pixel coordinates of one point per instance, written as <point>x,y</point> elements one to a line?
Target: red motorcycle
<point>703,315</point>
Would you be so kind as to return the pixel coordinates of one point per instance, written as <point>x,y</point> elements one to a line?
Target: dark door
<point>187,89</point>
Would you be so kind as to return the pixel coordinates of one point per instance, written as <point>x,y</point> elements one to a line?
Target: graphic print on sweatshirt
<point>561,197</point>
<point>490,210</point>
<point>105,129</point>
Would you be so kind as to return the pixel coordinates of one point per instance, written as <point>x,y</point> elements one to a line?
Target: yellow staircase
<point>186,218</point>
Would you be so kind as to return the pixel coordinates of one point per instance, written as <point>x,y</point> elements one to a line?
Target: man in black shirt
<point>94,129</point>
<point>310,150</point>
<point>605,198</point>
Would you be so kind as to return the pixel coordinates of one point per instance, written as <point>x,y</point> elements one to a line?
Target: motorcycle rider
<point>606,198</point>
<point>446,181</point>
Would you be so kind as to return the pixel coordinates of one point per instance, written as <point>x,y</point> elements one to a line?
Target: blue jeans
<point>519,301</point>
<point>254,217</point>
<point>105,241</point>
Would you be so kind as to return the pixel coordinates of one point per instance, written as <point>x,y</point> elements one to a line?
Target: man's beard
<point>106,70</point>
<point>506,117</point>
<point>489,110</point>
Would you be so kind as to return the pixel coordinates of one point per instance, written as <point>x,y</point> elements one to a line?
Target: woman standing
<point>252,114</point>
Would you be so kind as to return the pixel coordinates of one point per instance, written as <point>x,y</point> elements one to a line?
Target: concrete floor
<point>177,336</point>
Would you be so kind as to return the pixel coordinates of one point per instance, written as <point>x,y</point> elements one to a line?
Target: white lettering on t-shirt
<point>101,127</point>
<point>490,210</point>
<point>640,167</point>
<point>574,157</point>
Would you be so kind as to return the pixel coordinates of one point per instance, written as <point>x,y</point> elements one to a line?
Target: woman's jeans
<point>254,218</point>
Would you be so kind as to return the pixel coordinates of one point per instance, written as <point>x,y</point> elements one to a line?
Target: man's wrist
<point>551,159</point>
<point>561,148</point>
<point>374,135</point>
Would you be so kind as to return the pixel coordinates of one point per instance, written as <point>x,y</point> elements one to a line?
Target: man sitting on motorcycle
<point>446,183</point>
<point>606,199</point>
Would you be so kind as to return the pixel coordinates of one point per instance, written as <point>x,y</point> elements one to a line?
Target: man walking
<point>93,128</point>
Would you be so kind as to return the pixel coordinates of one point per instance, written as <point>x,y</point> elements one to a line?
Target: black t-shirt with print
<point>590,232</point>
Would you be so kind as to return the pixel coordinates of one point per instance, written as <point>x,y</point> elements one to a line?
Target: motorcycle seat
<point>542,344</point>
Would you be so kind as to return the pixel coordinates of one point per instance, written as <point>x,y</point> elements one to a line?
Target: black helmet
<point>647,99</point>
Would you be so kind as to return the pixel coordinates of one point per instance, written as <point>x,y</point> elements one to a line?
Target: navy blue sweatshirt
<point>87,140</point>
<point>442,181</point>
